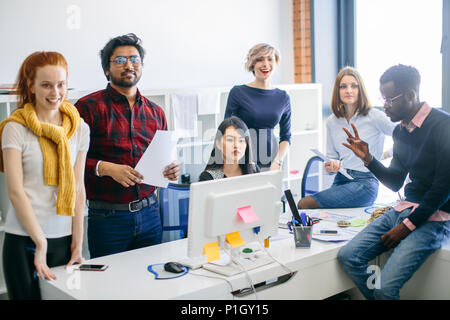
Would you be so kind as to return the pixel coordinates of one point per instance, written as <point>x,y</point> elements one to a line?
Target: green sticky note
<point>358,222</point>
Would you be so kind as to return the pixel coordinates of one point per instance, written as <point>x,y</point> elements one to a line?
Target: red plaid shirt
<point>119,135</point>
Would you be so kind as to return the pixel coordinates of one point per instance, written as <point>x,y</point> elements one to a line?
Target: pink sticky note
<point>247,214</point>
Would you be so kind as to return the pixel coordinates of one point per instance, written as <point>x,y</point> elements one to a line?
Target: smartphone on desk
<point>93,267</point>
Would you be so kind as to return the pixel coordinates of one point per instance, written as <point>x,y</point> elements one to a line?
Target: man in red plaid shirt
<point>123,213</point>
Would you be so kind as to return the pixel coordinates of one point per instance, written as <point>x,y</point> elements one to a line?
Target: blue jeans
<point>114,231</point>
<point>404,260</point>
<point>362,191</point>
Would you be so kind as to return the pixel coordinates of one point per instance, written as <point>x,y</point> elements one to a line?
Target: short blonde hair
<point>260,50</point>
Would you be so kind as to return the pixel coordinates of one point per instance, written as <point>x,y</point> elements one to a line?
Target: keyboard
<point>231,269</point>
<point>193,263</point>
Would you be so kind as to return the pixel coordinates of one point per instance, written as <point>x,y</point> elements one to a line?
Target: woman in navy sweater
<point>262,107</point>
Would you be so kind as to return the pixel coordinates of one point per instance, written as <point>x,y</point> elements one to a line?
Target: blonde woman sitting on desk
<point>350,104</point>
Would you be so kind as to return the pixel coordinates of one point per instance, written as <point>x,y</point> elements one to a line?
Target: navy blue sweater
<point>425,155</point>
<point>261,109</point>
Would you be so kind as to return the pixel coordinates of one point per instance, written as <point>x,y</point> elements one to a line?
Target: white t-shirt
<point>372,128</point>
<point>42,197</point>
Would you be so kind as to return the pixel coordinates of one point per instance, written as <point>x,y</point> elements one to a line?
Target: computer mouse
<point>174,267</point>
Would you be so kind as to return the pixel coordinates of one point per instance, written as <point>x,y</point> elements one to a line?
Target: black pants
<point>21,277</point>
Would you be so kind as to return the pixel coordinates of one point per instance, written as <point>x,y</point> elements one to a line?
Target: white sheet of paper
<point>161,152</point>
<point>344,234</point>
<point>326,159</point>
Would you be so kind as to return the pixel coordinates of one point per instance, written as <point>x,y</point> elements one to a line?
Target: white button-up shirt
<point>372,129</point>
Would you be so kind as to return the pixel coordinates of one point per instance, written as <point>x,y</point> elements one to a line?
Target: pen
<point>329,231</point>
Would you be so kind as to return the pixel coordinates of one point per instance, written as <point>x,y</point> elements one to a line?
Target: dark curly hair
<point>129,39</point>
<point>404,77</point>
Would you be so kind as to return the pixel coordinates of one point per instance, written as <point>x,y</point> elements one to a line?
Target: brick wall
<point>302,41</point>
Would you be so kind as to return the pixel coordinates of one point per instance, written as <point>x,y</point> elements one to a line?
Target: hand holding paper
<point>325,158</point>
<point>158,163</point>
<point>333,166</point>
<point>172,171</point>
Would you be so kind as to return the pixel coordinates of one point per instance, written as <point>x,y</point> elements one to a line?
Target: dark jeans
<point>21,277</point>
<point>114,231</point>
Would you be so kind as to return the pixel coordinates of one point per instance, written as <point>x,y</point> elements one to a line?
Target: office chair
<point>311,176</point>
<point>174,211</point>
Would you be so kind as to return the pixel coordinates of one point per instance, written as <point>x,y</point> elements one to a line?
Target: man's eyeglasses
<point>123,60</point>
<point>389,101</point>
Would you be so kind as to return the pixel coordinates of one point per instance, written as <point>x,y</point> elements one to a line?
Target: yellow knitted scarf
<point>58,170</point>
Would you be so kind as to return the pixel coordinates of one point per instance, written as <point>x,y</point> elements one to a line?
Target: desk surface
<point>128,278</point>
<point>319,274</point>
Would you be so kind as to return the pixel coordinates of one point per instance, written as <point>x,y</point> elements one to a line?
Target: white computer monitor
<point>213,207</point>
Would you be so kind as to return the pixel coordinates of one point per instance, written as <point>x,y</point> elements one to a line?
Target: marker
<point>303,218</point>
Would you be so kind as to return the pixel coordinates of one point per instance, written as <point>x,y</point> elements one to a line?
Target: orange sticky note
<point>212,252</point>
<point>266,243</point>
<point>234,239</point>
<point>247,214</point>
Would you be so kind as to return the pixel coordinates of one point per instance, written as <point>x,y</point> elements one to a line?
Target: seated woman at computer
<point>350,104</point>
<point>231,155</point>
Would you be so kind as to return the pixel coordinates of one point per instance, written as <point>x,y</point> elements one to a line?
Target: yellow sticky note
<point>211,250</point>
<point>234,239</point>
<point>266,242</point>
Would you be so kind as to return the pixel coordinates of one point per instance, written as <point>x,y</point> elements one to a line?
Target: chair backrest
<point>311,177</point>
<point>174,211</point>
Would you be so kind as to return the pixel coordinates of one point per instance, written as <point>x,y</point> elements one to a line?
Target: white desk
<point>318,276</point>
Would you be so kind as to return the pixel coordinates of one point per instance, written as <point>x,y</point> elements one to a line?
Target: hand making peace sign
<point>358,146</point>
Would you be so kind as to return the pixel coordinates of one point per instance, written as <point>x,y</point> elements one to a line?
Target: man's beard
<point>125,83</point>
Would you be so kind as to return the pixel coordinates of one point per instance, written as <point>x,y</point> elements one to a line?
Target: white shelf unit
<point>193,153</point>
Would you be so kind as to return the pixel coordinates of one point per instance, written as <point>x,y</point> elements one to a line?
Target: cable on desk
<point>370,210</point>
<point>153,268</point>
<point>268,253</point>
<point>236,260</point>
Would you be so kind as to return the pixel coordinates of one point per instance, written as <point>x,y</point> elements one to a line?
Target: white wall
<point>189,43</point>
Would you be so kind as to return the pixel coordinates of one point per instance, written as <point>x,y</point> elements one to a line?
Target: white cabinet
<point>193,153</point>
<point>306,130</point>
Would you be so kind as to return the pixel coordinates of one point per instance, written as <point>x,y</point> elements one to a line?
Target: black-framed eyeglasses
<point>123,60</point>
<point>389,101</point>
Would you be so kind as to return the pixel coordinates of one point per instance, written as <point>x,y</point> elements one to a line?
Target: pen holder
<point>302,236</point>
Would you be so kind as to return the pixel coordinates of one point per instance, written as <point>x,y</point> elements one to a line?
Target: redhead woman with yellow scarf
<point>43,152</point>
